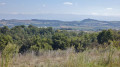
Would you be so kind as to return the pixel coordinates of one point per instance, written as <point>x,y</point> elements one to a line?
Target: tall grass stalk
<point>97,57</point>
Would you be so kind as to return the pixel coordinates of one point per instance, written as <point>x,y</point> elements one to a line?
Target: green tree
<point>39,44</point>
<point>4,30</point>
<point>60,41</point>
<point>4,40</point>
<point>105,36</point>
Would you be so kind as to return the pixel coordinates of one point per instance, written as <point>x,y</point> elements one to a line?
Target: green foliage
<point>39,43</point>
<point>60,41</point>
<point>31,38</point>
<point>105,36</point>
<point>7,54</point>
<point>116,43</point>
<point>4,30</point>
<point>36,43</point>
<point>4,40</point>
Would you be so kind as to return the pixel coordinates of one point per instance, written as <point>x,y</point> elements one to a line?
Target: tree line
<point>31,38</point>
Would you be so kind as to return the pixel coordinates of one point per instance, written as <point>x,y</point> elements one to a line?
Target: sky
<point>19,9</point>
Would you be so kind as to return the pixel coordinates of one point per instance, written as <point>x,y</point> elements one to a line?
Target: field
<point>102,57</point>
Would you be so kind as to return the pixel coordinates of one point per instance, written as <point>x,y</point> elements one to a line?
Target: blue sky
<point>74,7</point>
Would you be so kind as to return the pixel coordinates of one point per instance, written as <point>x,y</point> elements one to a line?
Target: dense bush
<point>4,40</point>
<point>105,36</point>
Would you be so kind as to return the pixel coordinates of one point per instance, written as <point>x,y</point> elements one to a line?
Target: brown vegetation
<point>102,57</point>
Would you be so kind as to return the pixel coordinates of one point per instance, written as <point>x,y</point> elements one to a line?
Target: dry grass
<point>89,58</point>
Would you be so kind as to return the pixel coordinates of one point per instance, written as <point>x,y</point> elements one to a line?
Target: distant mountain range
<point>84,25</point>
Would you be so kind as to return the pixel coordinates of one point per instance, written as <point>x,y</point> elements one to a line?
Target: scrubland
<point>97,57</point>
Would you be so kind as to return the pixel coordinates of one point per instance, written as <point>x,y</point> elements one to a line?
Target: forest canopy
<point>32,38</point>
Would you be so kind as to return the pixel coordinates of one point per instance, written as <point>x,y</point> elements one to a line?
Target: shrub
<point>7,54</point>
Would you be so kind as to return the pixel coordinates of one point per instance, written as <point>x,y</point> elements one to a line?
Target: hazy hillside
<point>85,25</point>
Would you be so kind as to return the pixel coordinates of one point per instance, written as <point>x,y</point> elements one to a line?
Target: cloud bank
<point>68,3</point>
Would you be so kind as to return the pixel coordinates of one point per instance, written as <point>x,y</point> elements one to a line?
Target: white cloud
<point>94,13</point>
<point>2,3</point>
<point>109,8</point>
<point>68,3</point>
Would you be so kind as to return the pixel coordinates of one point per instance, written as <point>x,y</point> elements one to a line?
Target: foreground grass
<point>107,57</point>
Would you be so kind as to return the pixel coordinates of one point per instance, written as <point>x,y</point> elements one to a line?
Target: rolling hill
<point>84,25</point>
